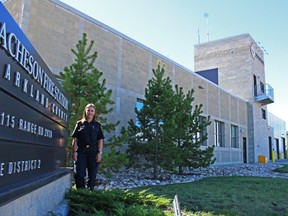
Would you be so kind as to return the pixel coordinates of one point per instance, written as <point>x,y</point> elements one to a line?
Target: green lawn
<point>229,195</point>
<point>210,196</point>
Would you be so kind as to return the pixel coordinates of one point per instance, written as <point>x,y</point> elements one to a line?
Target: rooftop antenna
<point>263,49</point>
<point>198,31</point>
<point>206,15</point>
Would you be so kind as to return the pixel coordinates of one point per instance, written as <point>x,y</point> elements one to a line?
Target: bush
<point>117,203</point>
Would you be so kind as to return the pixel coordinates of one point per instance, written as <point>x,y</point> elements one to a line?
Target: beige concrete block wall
<point>135,68</point>
<point>243,113</point>
<point>225,155</point>
<point>15,9</point>
<point>236,69</point>
<point>234,116</point>
<point>232,56</point>
<point>39,202</point>
<point>225,106</point>
<point>260,133</point>
<point>47,39</point>
<point>109,53</point>
<point>184,78</point>
<point>200,87</point>
<point>236,156</point>
<point>55,28</point>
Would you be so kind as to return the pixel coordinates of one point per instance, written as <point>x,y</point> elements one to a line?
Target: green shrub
<point>117,202</point>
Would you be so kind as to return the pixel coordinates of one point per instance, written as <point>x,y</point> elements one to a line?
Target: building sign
<point>33,112</point>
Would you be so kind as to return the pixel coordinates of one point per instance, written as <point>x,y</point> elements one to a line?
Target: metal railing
<point>264,93</point>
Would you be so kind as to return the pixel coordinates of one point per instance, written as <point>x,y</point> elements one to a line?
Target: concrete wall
<point>54,28</point>
<point>239,59</point>
<point>40,201</point>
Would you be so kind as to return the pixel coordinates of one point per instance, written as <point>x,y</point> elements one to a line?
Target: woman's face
<point>90,113</point>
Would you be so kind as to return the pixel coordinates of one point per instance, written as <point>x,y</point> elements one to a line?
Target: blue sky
<point>170,28</point>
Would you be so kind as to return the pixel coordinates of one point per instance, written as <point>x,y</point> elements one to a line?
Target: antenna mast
<point>206,15</point>
<point>198,30</point>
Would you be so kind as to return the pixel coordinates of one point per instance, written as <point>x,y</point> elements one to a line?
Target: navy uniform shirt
<point>87,133</point>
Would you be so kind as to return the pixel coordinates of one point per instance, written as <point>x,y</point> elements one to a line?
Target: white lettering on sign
<point>10,42</point>
<point>33,128</point>
<point>7,74</point>
<point>2,169</point>
<point>8,120</point>
<point>14,167</point>
<point>35,93</point>
<point>17,79</point>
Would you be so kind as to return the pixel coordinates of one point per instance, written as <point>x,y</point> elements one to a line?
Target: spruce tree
<point>149,139</point>
<point>170,131</point>
<point>190,132</point>
<point>84,84</point>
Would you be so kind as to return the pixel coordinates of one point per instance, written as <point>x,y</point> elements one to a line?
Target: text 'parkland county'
<point>18,52</point>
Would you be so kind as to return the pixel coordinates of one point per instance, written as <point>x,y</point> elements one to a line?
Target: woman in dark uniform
<point>87,147</point>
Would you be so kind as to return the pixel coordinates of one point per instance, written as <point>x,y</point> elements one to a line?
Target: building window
<point>234,136</point>
<point>139,106</point>
<point>255,85</point>
<point>262,86</point>
<point>263,114</point>
<point>219,133</point>
<point>201,134</point>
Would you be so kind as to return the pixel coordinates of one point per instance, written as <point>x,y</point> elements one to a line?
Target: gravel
<point>136,178</point>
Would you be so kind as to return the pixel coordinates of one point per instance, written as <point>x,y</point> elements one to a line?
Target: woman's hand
<point>98,157</point>
<point>74,156</point>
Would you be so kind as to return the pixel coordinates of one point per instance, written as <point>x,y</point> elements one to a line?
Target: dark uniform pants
<point>86,158</point>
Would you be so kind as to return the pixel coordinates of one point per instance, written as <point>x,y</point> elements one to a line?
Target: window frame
<point>139,106</point>
<point>200,135</point>
<point>219,134</point>
<point>234,141</point>
<point>264,115</point>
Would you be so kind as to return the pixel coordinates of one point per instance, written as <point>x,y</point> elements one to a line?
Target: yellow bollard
<point>273,156</point>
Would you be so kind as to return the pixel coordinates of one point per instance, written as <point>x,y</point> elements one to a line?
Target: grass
<point>229,195</point>
<point>225,196</point>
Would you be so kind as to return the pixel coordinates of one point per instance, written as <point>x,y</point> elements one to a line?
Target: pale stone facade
<point>54,28</point>
<point>240,63</point>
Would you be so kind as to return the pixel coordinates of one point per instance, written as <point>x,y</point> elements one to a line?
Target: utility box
<point>262,159</point>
